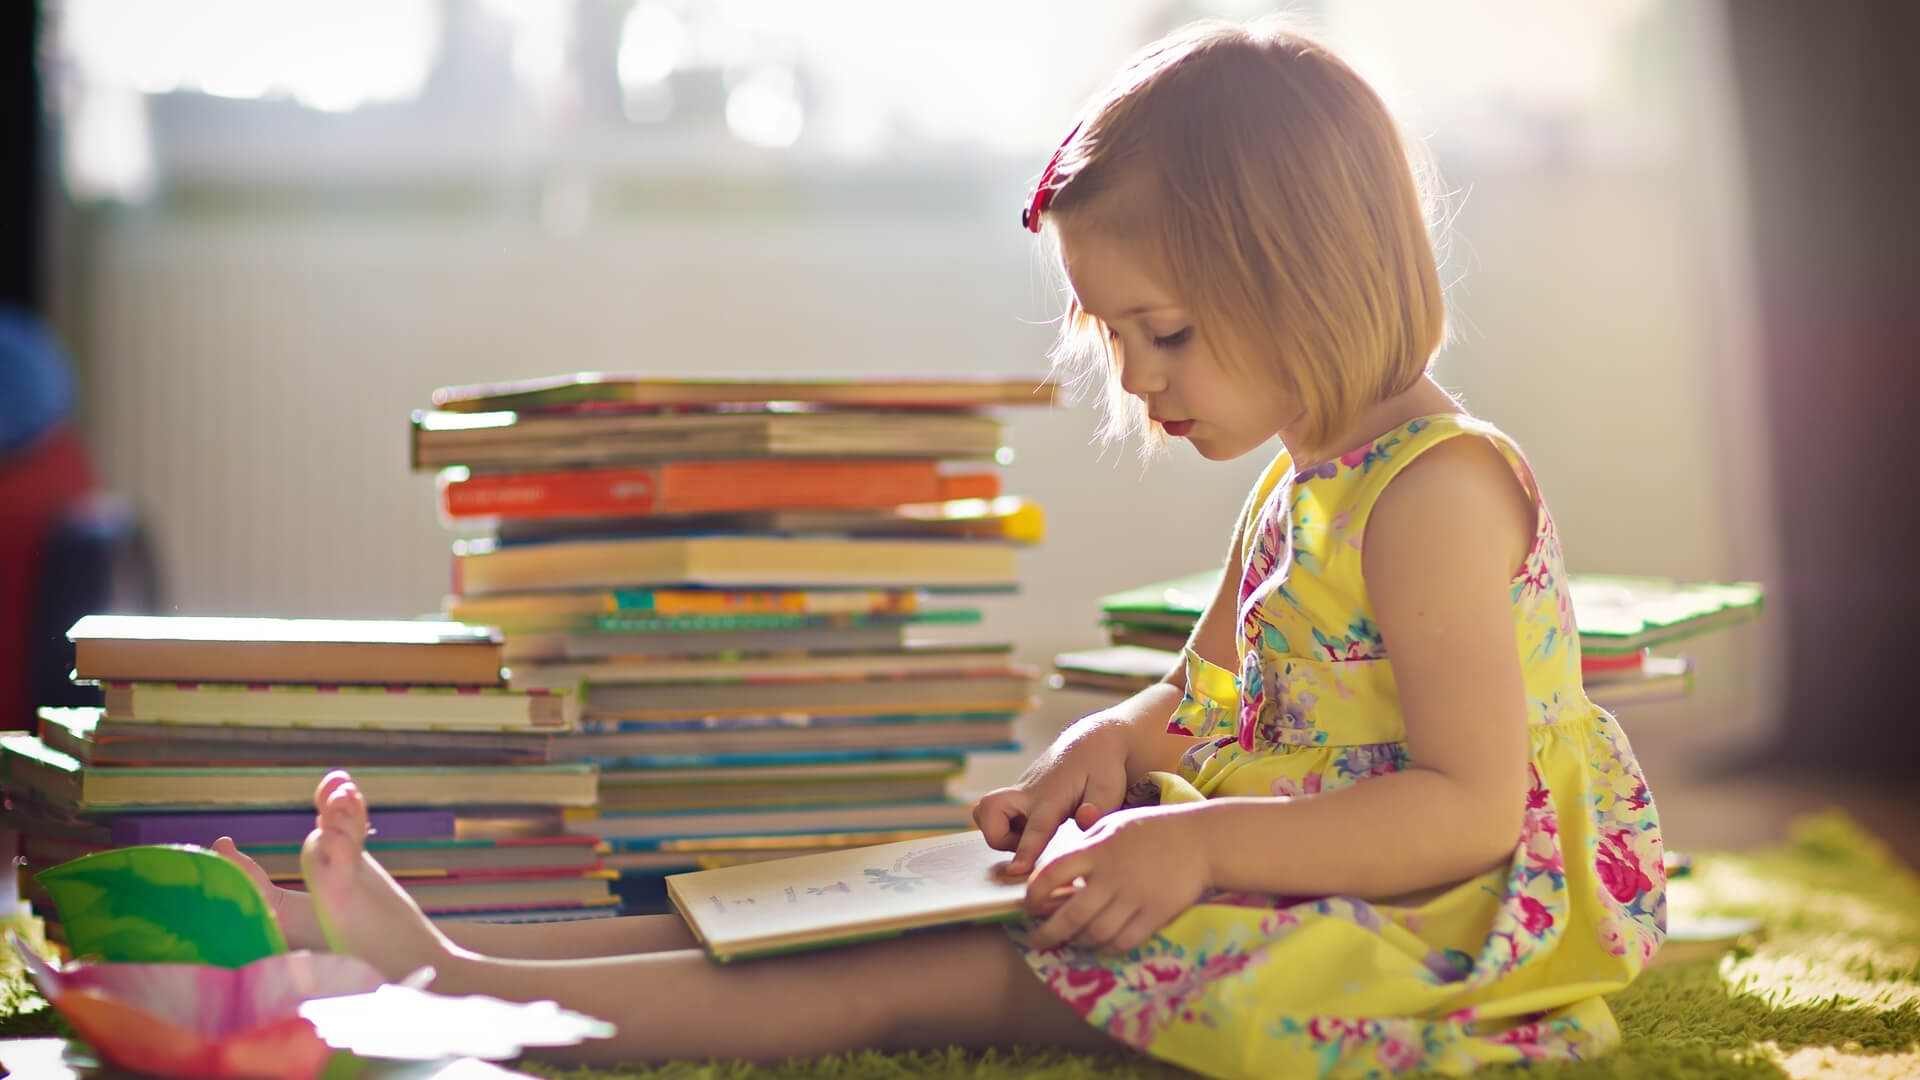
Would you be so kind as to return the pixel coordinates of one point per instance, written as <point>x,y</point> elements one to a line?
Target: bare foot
<point>291,908</point>
<point>359,908</point>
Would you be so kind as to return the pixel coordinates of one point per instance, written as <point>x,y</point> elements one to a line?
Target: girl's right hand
<point>1082,778</point>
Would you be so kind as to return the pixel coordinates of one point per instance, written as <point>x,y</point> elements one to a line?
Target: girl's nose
<point>1141,377</point>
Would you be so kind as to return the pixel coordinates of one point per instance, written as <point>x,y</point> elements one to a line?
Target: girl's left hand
<point>1139,868</point>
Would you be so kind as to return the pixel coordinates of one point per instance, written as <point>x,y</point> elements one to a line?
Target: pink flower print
<point>1535,916</point>
<point>1082,988</point>
<point>1288,787</point>
<point>1355,457</point>
<point>1536,795</point>
<point>1619,870</point>
<point>1333,1029</point>
<point>1526,1040</point>
<point>1396,1055</point>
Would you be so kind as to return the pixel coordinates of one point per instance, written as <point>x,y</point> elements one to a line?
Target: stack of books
<point>1622,622</point>
<point>759,592</point>
<point>223,727</point>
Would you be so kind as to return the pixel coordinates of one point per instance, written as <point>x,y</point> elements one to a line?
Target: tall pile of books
<point>223,727</point>
<point>1627,627</point>
<point>758,591</point>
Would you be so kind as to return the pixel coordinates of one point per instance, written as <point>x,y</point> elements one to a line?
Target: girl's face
<point>1161,358</point>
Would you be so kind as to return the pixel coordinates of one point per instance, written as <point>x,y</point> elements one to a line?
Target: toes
<point>328,785</point>
<point>345,811</point>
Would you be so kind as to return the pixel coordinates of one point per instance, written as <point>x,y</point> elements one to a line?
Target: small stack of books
<point>223,727</point>
<point>757,589</point>
<point>1621,620</point>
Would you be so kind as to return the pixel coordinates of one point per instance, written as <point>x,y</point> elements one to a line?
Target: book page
<point>950,878</point>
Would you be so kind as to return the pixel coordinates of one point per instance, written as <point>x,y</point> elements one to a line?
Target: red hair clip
<point>1043,191</point>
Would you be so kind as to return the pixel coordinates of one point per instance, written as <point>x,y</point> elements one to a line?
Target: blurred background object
<point>271,227</point>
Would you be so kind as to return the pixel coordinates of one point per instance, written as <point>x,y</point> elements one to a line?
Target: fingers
<point>1105,793</point>
<point>999,816</point>
<point>1142,926</point>
<point>1046,886</point>
<point>1073,917</point>
<point>1041,824</point>
<point>1104,927</point>
<point>1087,816</point>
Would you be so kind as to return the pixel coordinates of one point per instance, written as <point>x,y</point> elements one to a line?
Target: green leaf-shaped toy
<point>155,904</point>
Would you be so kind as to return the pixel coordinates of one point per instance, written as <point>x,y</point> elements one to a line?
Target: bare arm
<point>1440,552</point>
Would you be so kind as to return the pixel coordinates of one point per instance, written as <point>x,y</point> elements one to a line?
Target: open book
<point>860,894</point>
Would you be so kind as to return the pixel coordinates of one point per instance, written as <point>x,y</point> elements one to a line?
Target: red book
<point>693,487</point>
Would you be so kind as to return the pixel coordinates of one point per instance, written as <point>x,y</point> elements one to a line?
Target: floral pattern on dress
<point>1249,984</point>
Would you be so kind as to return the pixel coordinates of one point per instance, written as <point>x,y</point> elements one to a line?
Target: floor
<point>1703,805</point>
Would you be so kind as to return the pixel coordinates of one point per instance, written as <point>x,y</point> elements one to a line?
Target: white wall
<point>252,378</point>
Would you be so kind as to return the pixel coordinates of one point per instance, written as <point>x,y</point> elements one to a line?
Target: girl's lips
<point>1177,428</point>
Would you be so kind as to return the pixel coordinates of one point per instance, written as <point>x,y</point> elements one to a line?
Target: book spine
<point>680,624</point>
<point>680,602</point>
<point>564,493</point>
<point>691,487</point>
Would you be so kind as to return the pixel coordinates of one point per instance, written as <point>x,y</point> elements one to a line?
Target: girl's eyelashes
<point>1174,340</point>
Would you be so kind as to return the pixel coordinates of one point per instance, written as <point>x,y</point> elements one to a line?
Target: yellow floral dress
<point>1508,966</point>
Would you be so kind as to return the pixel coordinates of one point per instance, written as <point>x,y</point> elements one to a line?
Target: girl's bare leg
<point>293,909</point>
<point>965,987</point>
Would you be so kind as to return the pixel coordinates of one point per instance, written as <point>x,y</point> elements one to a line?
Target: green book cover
<point>1615,613</point>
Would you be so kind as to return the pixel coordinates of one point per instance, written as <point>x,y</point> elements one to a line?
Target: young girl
<point>1372,824</point>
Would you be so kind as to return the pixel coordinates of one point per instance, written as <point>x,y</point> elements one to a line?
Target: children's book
<point>590,604</point>
<point>989,689</point>
<point>1005,517</point>
<point>689,487</point>
<point>29,765</point>
<point>1660,678</point>
<point>641,825</point>
<point>482,567</point>
<point>396,708</point>
<point>175,648</point>
<point>841,897</point>
<point>1619,614</point>
<point>522,441</point>
<point>900,661</point>
<point>950,733</point>
<point>1615,614</point>
<point>99,739</point>
<point>1123,668</point>
<point>614,388</point>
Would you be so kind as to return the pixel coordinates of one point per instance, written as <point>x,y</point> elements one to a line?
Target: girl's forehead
<point>1112,279</point>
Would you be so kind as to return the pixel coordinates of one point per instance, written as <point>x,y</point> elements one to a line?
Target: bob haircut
<point>1269,184</point>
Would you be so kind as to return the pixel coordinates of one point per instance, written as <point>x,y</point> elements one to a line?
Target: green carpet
<point>1833,991</point>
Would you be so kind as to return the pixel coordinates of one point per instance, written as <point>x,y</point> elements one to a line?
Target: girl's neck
<point>1424,398</point>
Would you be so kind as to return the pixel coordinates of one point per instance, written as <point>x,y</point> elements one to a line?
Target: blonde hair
<point>1267,180</point>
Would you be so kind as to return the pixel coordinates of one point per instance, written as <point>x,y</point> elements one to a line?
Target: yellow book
<point>842,897</point>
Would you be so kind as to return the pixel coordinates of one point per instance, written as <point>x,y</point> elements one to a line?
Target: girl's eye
<point>1174,340</point>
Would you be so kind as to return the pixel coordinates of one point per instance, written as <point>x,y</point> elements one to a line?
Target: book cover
<point>903,692</point>
<point>165,648</point>
<point>879,663</point>
<point>482,567</point>
<point>689,487</point>
<point>526,442</point>
<point>637,623</point>
<point>1619,614</point>
<point>397,708</point>
<point>615,388</point>
<point>764,821</point>
<point>28,764</point>
<point>933,733</point>
<point>1006,517</point>
<point>840,897</point>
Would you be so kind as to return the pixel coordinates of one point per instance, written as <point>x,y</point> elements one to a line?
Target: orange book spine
<point>969,485</point>
<point>692,487</point>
